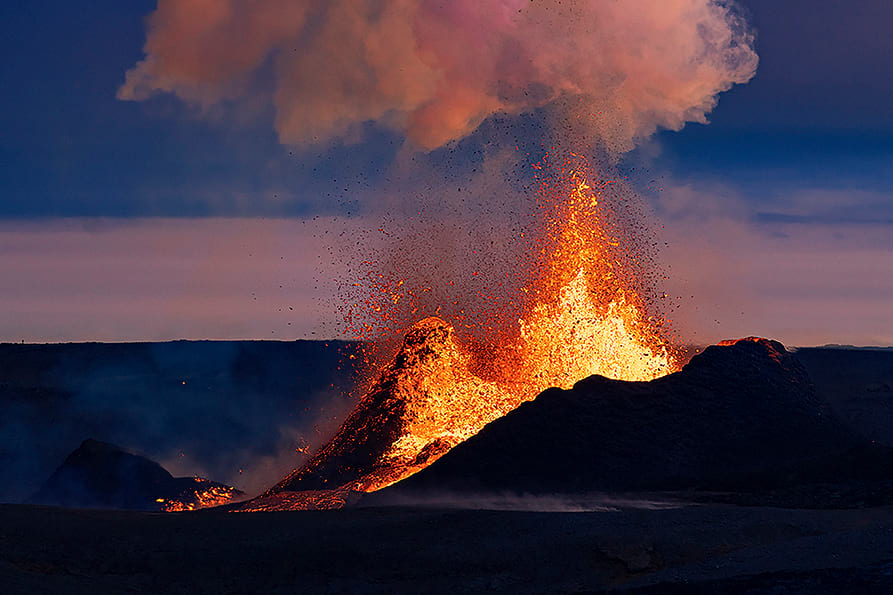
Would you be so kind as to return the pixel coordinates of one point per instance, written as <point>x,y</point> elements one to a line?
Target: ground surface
<point>691,549</point>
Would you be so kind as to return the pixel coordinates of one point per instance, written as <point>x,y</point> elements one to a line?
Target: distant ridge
<point>102,475</point>
<point>850,347</point>
<point>222,403</point>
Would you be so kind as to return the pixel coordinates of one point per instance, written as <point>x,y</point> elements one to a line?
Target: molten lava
<point>586,318</point>
<point>583,316</point>
<point>205,494</point>
<point>423,404</point>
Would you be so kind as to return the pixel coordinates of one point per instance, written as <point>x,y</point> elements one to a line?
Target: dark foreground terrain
<point>800,443</point>
<point>695,549</point>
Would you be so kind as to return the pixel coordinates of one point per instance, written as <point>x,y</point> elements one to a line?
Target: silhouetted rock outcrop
<point>738,411</point>
<point>102,475</point>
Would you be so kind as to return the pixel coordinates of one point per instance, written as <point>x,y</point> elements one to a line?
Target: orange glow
<point>586,318</point>
<point>204,497</point>
<point>583,320</point>
<point>443,402</point>
<point>581,315</point>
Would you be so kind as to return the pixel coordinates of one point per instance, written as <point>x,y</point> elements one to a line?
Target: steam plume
<point>435,70</point>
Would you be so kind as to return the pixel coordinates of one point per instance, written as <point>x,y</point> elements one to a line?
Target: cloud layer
<point>435,70</point>
<point>808,275</point>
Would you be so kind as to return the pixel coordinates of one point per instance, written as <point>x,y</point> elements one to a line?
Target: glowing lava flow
<point>583,317</point>
<point>205,494</point>
<point>586,320</point>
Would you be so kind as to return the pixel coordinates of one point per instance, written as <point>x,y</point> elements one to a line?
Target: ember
<point>582,315</point>
<point>206,495</point>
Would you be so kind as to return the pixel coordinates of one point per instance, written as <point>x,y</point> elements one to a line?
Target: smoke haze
<point>435,71</point>
<point>243,413</point>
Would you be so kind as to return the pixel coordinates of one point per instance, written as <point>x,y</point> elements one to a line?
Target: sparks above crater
<point>582,313</point>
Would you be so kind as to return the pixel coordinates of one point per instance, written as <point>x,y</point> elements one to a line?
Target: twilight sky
<point>210,214</point>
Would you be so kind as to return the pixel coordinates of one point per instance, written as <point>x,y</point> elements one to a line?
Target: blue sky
<point>807,144</point>
<point>819,112</point>
<point>71,149</point>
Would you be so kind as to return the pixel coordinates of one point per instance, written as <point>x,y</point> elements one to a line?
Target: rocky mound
<point>102,475</point>
<point>738,411</point>
<point>423,404</point>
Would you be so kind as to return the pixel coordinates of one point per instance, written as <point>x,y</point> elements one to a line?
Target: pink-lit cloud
<point>435,70</point>
<point>158,279</point>
<point>162,279</point>
<point>804,283</point>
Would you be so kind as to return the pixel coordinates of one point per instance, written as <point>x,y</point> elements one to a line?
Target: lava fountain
<point>582,314</point>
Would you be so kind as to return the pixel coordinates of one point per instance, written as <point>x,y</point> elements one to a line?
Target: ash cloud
<point>434,71</point>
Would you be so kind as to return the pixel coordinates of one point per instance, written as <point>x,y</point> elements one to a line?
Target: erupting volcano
<point>583,313</point>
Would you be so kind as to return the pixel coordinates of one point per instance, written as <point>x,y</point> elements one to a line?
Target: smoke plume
<point>435,70</point>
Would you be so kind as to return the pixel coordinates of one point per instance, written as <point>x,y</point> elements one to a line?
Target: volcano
<point>470,411</point>
<point>736,414</point>
<point>423,404</point>
<point>581,313</point>
<point>737,410</point>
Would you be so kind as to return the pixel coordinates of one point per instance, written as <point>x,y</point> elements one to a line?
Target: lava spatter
<point>582,314</point>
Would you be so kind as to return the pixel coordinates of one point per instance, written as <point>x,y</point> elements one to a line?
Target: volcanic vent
<point>424,403</point>
<point>582,316</point>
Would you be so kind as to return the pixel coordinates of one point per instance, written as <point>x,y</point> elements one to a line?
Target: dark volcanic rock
<point>741,409</point>
<point>857,384</point>
<point>102,475</point>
